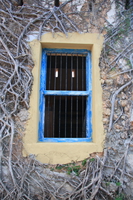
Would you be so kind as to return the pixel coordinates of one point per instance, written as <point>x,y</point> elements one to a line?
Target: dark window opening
<point>65,117</point>
<point>66,72</point>
<point>65,96</point>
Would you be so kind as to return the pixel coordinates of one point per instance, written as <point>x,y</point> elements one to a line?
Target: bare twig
<point>113,102</point>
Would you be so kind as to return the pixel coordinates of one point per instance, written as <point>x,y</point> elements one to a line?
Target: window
<point>55,151</point>
<point>65,96</point>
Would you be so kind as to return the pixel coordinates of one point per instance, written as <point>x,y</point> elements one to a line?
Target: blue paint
<point>66,93</point>
<point>68,51</point>
<point>42,99</point>
<point>43,71</point>
<point>42,116</point>
<point>65,140</point>
<point>87,93</point>
<point>89,98</point>
<point>89,117</point>
<point>88,73</point>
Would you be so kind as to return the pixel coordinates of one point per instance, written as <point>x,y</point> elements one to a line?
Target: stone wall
<point>114,170</point>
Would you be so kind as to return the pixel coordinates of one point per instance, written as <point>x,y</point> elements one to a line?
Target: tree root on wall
<point>26,178</point>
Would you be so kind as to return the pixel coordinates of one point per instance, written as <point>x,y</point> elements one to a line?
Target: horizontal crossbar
<point>66,93</point>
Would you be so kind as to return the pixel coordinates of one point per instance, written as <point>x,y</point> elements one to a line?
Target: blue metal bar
<point>89,116</point>
<point>68,51</point>
<point>89,66</point>
<point>58,140</point>
<point>88,72</point>
<point>43,72</point>
<point>66,93</point>
<point>42,117</point>
<point>89,98</point>
<point>42,99</point>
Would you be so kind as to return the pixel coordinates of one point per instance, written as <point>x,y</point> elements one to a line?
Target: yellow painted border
<point>65,152</point>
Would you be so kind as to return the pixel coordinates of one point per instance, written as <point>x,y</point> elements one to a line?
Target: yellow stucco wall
<point>65,152</point>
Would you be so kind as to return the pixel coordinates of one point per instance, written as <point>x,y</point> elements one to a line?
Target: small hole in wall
<point>20,2</point>
<point>56,3</point>
<point>128,3</point>
<point>90,6</point>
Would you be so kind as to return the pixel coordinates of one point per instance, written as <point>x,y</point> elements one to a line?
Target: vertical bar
<point>71,115</point>
<point>54,97</point>
<point>48,110</point>
<point>60,96</point>
<point>49,72</point>
<point>77,116</point>
<point>66,74</point>
<point>60,68</point>
<point>89,98</point>
<point>82,73</point>
<point>88,73</point>
<point>43,72</point>
<point>42,117</point>
<point>42,98</point>
<point>71,96</point>
<point>82,97</point>
<point>49,96</point>
<point>55,69</point>
<point>66,98</point>
<point>53,115</point>
<point>77,72</point>
<point>71,72</point>
<point>77,103</point>
<point>65,114</point>
<point>88,116</point>
<point>59,114</point>
<point>82,116</point>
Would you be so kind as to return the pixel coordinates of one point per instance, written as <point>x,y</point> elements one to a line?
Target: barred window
<point>65,96</point>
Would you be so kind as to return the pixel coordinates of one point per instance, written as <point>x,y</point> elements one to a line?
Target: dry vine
<point>26,178</point>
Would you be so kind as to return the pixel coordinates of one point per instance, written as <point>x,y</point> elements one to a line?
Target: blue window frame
<point>44,92</point>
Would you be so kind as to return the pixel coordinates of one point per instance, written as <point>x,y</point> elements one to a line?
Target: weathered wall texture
<point>106,177</point>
